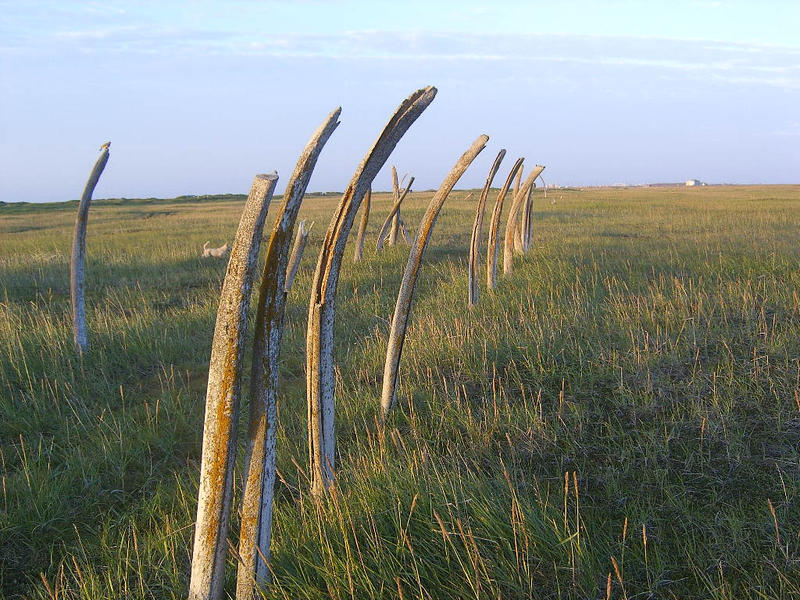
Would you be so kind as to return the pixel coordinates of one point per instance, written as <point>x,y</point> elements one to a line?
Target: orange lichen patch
<point>257,498</point>
<point>220,436</point>
<point>252,490</point>
<point>222,398</point>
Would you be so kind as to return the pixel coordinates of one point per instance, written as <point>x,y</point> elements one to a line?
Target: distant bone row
<point>227,354</point>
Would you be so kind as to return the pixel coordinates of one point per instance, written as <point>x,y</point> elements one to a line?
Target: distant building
<point>693,182</point>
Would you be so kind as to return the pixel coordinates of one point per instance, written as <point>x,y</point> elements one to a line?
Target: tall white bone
<point>322,305</point>
<point>402,308</point>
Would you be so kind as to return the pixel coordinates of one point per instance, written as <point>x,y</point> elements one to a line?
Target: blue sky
<point>197,97</point>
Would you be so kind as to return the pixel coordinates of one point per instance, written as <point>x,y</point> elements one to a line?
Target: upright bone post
<point>222,399</point>
<point>512,224</point>
<point>396,220</point>
<point>529,230</point>
<point>362,227</point>
<point>519,242</point>
<point>402,308</point>
<point>525,223</point>
<point>475,241</point>
<point>494,226</point>
<point>517,233</point>
<point>257,499</point>
<point>297,253</point>
<point>322,304</point>
<point>390,220</point>
<point>77,275</point>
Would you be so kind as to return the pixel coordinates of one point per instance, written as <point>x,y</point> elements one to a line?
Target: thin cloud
<point>751,64</point>
<point>790,130</point>
<point>742,63</point>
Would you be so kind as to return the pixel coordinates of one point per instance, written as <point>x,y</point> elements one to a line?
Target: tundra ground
<point>623,412</point>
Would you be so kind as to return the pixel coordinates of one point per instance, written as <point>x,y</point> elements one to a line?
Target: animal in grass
<point>215,252</point>
<point>105,146</point>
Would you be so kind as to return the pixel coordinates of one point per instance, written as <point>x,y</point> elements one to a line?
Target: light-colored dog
<point>215,252</point>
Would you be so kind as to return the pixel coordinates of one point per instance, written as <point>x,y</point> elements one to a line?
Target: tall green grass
<point>624,411</point>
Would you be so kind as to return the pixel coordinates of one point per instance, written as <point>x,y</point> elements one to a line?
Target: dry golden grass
<point>639,371</point>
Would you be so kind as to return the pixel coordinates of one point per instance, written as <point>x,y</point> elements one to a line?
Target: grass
<point>622,414</point>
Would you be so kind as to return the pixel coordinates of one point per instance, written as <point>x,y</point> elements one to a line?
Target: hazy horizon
<point>197,98</point>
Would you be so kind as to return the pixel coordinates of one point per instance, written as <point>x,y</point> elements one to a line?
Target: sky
<point>197,97</point>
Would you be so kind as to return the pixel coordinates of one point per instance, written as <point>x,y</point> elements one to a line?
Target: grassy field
<point>624,411</point>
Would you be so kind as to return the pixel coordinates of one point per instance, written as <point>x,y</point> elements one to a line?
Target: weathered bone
<point>517,233</point>
<point>520,199</point>
<point>297,253</point>
<point>393,215</point>
<point>396,220</point>
<point>475,241</point>
<point>529,230</point>
<point>362,228</point>
<point>527,218</point>
<point>524,226</point>
<point>402,308</point>
<point>322,304</point>
<point>404,232</point>
<point>222,398</point>
<point>494,226</point>
<point>396,194</point>
<point>77,275</point>
<point>518,229</point>
<point>257,498</point>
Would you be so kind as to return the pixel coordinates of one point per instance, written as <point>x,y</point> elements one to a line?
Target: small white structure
<point>693,182</point>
